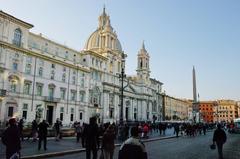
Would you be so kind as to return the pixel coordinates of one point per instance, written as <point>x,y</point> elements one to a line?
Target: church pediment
<point>130,89</point>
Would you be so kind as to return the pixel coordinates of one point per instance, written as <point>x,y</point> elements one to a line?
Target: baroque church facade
<point>40,78</point>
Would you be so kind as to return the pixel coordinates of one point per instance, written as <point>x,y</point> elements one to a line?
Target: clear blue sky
<point>178,34</point>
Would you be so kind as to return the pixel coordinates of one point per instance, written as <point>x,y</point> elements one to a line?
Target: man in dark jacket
<point>219,137</point>
<point>133,148</point>
<point>11,139</point>
<point>42,134</point>
<point>91,136</point>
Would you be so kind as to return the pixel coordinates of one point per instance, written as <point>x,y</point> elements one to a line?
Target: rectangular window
<point>24,114</point>
<point>81,116</point>
<point>66,55</point>
<point>28,69</point>
<point>26,89</point>
<point>61,116</point>
<point>61,113</point>
<point>10,111</point>
<point>82,96</point>
<point>82,82</point>
<point>111,111</point>
<point>73,95</point>
<point>53,65</point>
<point>74,80</point>
<point>40,71</point>
<point>52,74</point>
<point>72,114</point>
<point>64,77</point>
<point>15,66</point>
<point>39,89</point>
<point>13,86</point>
<point>63,93</point>
<point>50,92</point>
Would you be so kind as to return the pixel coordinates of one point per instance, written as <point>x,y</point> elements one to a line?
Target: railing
<point>17,43</point>
<point>51,99</point>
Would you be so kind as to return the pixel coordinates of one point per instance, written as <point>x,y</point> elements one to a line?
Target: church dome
<point>104,37</point>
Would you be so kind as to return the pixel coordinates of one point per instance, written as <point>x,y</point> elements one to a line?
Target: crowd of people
<point>94,137</point>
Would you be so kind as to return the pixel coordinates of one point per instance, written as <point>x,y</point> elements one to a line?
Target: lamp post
<point>121,76</point>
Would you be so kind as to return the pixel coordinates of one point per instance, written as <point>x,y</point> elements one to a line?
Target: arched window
<point>141,63</point>
<point>17,37</point>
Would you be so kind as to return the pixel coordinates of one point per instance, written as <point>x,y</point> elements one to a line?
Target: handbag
<point>101,155</point>
<point>212,146</point>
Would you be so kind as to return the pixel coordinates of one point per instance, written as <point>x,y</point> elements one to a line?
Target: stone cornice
<point>51,41</point>
<point>94,54</point>
<point>45,57</point>
<point>15,20</point>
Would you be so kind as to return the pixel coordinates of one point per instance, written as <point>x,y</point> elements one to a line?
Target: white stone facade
<point>41,78</point>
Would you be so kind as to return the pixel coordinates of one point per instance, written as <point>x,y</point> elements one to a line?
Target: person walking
<point>42,134</point>
<point>219,137</point>
<point>176,129</point>
<point>78,130</point>
<point>204,129</point>
<point>108,142</point>
<point>82,136</point>
<point>57,128</point>
<point>145,130</point>
<point>34,130</point>
<point>11,139</point>
<point>91,138</point>
<point>132,148</point>
<point>20,127</point>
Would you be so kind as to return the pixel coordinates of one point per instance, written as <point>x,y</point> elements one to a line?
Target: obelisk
<point>194,86</point>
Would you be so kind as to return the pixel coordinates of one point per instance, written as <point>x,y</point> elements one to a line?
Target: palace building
<point>42,79</point>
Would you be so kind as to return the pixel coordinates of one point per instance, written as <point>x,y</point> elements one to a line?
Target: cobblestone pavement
<point>30,148</point>
<point>183,148</point>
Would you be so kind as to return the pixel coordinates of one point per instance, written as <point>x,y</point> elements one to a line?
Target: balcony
<point>17,43</point>
<point>3,92</point>
<point>51,99</point>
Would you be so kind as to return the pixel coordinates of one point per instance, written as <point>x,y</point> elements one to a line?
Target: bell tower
<point>143,71</point>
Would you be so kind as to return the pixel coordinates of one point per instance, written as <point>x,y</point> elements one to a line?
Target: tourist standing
<point>11,139</point>
<point>42,134</point>
<point>219,137</point>
<point>91,138</point>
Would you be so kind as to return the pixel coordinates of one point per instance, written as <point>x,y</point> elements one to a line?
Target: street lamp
<point>122,76</point>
